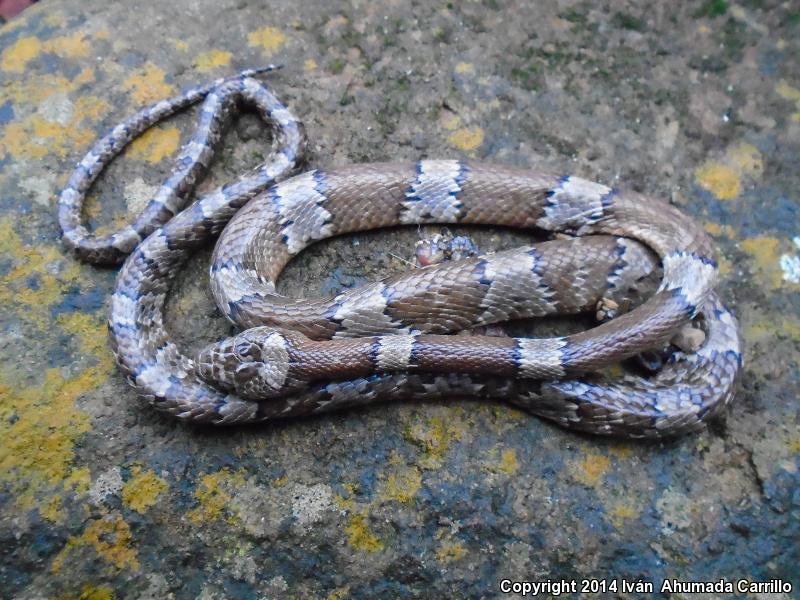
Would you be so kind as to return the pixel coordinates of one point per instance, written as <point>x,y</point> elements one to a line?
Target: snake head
<point>255,364</point>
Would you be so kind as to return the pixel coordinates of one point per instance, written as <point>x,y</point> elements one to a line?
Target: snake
<point>393,339</point>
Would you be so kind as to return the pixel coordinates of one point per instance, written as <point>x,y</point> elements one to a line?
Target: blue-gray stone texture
<point>101,497</point>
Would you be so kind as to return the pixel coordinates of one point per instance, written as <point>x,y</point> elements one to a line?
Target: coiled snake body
<point>388,340</point>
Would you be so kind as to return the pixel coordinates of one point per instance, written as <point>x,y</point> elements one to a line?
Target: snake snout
<point>254,364</point>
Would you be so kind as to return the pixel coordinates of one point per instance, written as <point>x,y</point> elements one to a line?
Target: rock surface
<point>101,497</point>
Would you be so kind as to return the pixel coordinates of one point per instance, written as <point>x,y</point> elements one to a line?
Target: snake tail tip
<point>267,69</point>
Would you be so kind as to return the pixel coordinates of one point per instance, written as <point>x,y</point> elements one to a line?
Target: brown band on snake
<point>268,363</point>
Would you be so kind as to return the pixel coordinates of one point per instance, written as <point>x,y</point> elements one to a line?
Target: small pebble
<point>689,339</point>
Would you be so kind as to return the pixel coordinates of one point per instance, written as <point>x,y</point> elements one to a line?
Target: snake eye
<point>247,351</point>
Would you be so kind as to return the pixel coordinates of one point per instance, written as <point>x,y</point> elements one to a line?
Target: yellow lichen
<point>765,328</point>
<point>723,178</point>
<point>16,57</point>
<point>155,144</point>
<point>147,85</point>
<point>720,180</point>
<point>507,464</point>
<point>74,45</point>
<point>33,88</point>
<point>464,68</point>
<point>466,138</point>
<point>78,480</point>
<point>718,230</point>
<point>591,468</point>
<point>40,425</point>
<point>96,593</point>
<point>339,593</point>
<point>747,159</point>
<point>35,262</point>
<point>16,142</point>
<point>141,491</point>
<point>90,109</point>
<point>345,502</point>
<point>38,421</point>
<point>359,535</point>
<point>436,435</point>
<point>623,512</point>
<point>34,137</point>
<point>790,93</point>
<point>111,539</point>
<point>90,332</point>
<point>269,39</point>
<point>449,551</point>
<point>765,253</point>
<point>52,510</point>
<point>787,91</point>
<point>214,495</point>
<point>402,485</point>
<point>621,450</point>
<point>90,592</point>
<point>38,442</point>
<point>310,64</point>
<point>208,61</point>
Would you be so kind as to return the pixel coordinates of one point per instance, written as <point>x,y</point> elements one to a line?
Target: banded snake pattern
<point>390,340</point>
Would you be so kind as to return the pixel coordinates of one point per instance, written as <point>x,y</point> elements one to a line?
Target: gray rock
<point>102,496</point>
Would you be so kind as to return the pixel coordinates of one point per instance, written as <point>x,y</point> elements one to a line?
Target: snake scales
<point>388,340</point>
